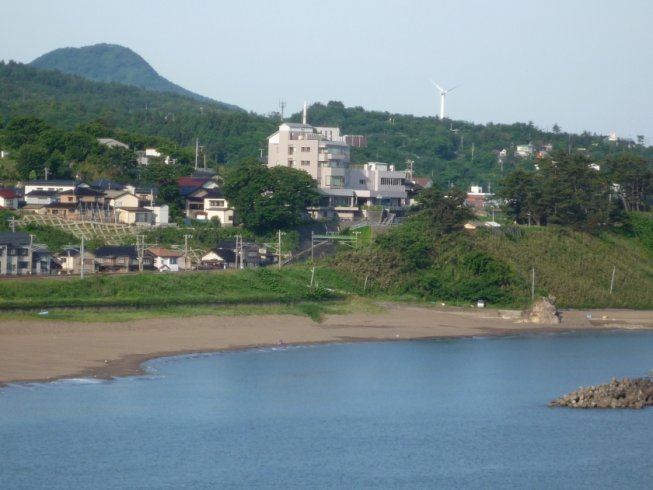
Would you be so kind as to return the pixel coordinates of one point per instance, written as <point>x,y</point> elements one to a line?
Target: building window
<point>391,181</point>
<point>216,203</point>
<point>361,182</point>
<point>306,163</point>
<point>306,148</point>
<point>335,181</point>
<point>173,260</point>
<point>291,150</point>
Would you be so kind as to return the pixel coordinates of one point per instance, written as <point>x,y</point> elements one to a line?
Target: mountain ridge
<point>106,62</point>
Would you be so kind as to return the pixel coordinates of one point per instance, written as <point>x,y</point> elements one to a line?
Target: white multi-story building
<point>324,154</point>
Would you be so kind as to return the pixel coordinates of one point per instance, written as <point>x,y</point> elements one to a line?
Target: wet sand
<point>43,350</point>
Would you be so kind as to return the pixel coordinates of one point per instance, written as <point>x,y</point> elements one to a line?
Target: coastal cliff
<point>624,393</point>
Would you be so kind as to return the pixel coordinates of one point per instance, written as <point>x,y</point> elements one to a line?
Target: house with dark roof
<point>71,261</point>
<point>19,256</point>
<point>204,200</point>
<point>117,258</point>
<point>41,197</point>
<point>239,255</point>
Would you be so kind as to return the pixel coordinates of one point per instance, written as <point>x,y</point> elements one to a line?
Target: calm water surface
<point>467,413</point>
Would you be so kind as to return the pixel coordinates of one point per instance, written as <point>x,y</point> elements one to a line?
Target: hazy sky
<point>583,65</point>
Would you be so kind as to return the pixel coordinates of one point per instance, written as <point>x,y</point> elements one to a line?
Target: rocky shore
<point>624,393</point>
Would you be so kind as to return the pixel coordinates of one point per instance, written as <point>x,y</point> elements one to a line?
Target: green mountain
<point>68,101</point>
<point>113,63</point>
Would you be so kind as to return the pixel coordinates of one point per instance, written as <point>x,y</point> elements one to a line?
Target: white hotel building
<point>325,155</point>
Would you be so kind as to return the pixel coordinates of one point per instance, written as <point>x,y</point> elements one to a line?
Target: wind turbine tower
<point>443,94</point>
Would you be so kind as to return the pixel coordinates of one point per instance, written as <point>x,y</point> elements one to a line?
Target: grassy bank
<point>147,290</point>
<point>577,268</point>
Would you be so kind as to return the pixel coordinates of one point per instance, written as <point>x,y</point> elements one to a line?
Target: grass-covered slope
<point>576,268</point>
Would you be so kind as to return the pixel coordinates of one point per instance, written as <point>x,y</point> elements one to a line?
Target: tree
<point>521,195</point>
<point>632,180</point>
<point>31,158</point>
<point>443,212</point>
<point>568,189</point>
<point>266,199</point>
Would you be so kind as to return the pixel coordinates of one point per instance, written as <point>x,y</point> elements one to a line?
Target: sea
<point>432,414</point>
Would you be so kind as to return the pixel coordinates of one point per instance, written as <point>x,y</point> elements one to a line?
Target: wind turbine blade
<point>439,88</point>
<point>453,88</point>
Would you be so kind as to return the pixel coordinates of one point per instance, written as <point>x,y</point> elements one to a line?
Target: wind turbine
<point>443,94</point>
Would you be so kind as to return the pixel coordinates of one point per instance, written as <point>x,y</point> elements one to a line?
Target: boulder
<point>543,311</point>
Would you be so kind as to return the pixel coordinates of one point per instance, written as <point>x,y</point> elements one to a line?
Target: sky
<point>585,66</point>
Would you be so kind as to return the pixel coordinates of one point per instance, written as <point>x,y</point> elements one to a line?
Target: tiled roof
<point>117,251</point>
<point>164,252</point>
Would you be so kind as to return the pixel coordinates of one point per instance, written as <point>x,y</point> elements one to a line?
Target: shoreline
<point>37,351</point>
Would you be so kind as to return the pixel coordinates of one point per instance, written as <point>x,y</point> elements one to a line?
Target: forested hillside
<point>452,152</point>
<point>112,63</point>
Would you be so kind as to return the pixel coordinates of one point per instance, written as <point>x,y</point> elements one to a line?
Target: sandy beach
<point>42,350</point>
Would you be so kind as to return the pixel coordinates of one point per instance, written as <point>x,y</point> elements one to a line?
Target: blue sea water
<point>465,413</point>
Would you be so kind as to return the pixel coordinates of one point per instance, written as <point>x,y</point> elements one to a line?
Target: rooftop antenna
<point>443,94</point>
<point>282,106</point>
<point>304,117</point>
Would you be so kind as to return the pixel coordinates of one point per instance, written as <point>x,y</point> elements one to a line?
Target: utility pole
<point>29,256</point>
<point>533,284</point>
<point>140,247</point>
<point>12,224</point>
<point>186,237</point>
<point>81,257</point>
<point>614,269</point>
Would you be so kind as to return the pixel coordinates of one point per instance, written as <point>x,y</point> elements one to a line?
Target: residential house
<point>134,215</point>
<point>41,197</point>
<point>19,256</point>
<point>204,200</point>
<point>51,185</point>
<point>8,199</point>
<point>215,260</point>
<point>523,151</point>
<point>216,207</point>
<point>238,254</point>
<point>151,155</point>
<point>117,198</point>
<point>164,260</point>
<point>72,263</point>
<point>117,258</point>
<point>482,203</point>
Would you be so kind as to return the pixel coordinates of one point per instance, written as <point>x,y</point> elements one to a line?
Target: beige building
<point>325,155</point>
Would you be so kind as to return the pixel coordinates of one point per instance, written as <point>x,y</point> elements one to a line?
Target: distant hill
<point>113,63</point>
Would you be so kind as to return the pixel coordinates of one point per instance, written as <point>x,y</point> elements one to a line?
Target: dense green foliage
<point>267,199</point>
<point>498,265</point>
<point>67,102</point>
<point>112,63</point>
<point>161,290</point>
<point>455,152</point>
<point>568,189</point>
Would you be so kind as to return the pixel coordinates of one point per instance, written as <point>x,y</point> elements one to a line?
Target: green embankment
<point>156,290</point>
<point>577,268</point>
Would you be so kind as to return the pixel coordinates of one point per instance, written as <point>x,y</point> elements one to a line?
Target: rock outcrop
<point>625,393</point>
<point>543,311</point>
